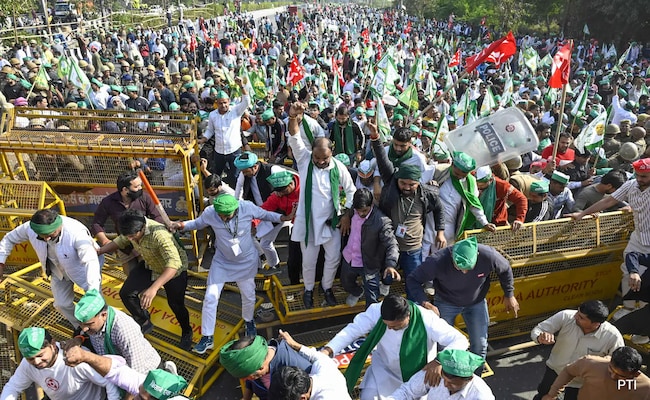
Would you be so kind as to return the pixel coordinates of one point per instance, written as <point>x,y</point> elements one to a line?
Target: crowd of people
<point>359,170</point>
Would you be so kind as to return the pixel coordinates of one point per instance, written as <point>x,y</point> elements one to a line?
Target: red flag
<point>497,52</point>
<point>301,28</point>
<point>336,71</point>
<point>483,21</point>
<point>193,43</point>
<point>561,68</point>
<point>455,60</point>
<point>296,71</point>
<point>366,36</point>
<point>344,44</point>
<point>408,28</point>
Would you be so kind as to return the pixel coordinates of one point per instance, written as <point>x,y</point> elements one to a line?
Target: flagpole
<point>559,125</point>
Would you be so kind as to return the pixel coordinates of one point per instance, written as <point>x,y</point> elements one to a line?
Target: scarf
<point>468,196</point>
<point>334,184</point>
<point>396,159</point>
<point>346,144</point>
<point>108,343</point>
<point>412,352</point>
<point>488,200</point>
<point>307,130</point>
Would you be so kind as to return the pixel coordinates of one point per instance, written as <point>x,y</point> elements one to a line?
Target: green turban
<point>241,363</point>
<point>44,229</point>
<point>245,160</point>
<point>460,363</point>
<point>89,306</point>
<point>280,179</point>
<point>225,204</point>
<point>31,341</point>
<point>163,385</point>
<point>465,254</point>
<point>344,158</point>
<point>408,171</point>
<point>464,162</point>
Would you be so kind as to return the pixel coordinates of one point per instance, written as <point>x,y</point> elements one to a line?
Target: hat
<point>409,171</point>
<point>612,129</point>
<point>360,110</point>
<point>622,92</point>
<point>414,128</point>
<point>151,68</point>
<point>241,363</point>
<point>245,160</point>
<point>642,118</point>
<point>96,82</point>
<point>560,177</point>
<point>267,114</point>
<point>389,100</point>
<point>398,117</point>
<point>7,70</point>
<point>20,101</point>
<point>465,253</point>
<point>105,68</point>
<point>461,363</point>
<point>225,204</point>
<point>343,158</point>
<point>12,77</point>
<point>629,151</point>
<point>426,133</point>
<point>539,187</point>
<point>222,95</point>
<point>127,77</point>
<point>371,113</point>
<point>366,169</point>
<point>184,70</point>
<point>642,165</point>
<point>186,78</point>
<point>440,151</point>
<point>14,61</point>
<point>189,85</point>
<point>539,163</point>
<point>514,163</point>
<point>163,385</point>
<point>132,88</point>
<point>463,161</point>
<point>31,341</point>
<point>174,106</point>
<point>116,88</point>
<point>83,63</point>
<point>89,306</point>
<point>280,179</point>
<point>483,174</point>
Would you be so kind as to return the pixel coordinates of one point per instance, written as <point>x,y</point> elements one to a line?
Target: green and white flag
<point>302,44</point>
<point>462,105</point>
<point>580,105</point>
<point>78,78</point>
<point>508,91</point>
<point>431,88</point>
<point>368,53</point>
<point>623,58</point>
<point>546,61</point>
<point>41,78</point>
<point>356,51</point>
<point>489,103</point>
<point>530,59</point>
<point>585,30</point>
<point>441,132</point>
<point>409,97</point>
<point>383,124</point>
<point>591,136</point>
<point>378,83</point>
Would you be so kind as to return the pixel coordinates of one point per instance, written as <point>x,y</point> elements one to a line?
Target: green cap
<point>225,204</point>
<point>174,106</point>
<point>440,151</point>
<point>89,306</point>
<point>427,133</point>
<point>464,162</point>
<point>461,363</point>
<point>267,114</point>
<point>189,85</point>
<point>397,117</point>
<point>465,253</point>
<point>344,158</point>
<point>31,341</point>
<point>360,110</point>
<point>132,88</point>
<point>539,187</point>
<point>12,77</point>
<point>414,128</point>
<point>370,113</point>
<point>116,88</point>
<point>25,83</point>
<point>240,363</point>
<point>409,171</point>
<point>222,95</point>
<point>163,385</point>
<point>622,92</point>
<point>560,177</point>
<point>96,82</point>
<point>280,179</point>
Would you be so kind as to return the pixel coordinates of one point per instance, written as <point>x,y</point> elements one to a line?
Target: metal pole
<point>47,20</point>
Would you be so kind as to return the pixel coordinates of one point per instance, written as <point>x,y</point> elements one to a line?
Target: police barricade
<point>80,153</point>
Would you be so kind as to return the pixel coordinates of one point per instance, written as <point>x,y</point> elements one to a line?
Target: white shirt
<point>620,113</point>
<point>328,382</point>
<point>226,128</point>
<point>640,203</point>
<point>476,389</point>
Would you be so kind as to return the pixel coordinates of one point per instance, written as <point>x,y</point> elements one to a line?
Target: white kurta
<point>226,265</point>
<point>59,382</point>
<point>322,206</point>
<point>415,388</point>
<point>384,375</point>
<point>328,382</point>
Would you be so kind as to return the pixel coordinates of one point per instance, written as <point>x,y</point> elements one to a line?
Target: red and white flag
<point>455,60</point>
<point>561,67</point>
<point>497,52</point>
<point>296,71</point>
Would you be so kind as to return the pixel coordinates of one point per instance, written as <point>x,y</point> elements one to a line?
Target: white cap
<point>483,173</point>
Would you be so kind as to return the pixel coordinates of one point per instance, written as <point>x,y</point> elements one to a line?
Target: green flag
<point>580,105</point>
<point>356,51</point>
<point>64,67</point>
<point>547,61</point>
<point>409,97</point>
<point>530,59</point>
<point>431,88</point>
<point>41,78</point>
<point>383,124</point>
<point>508,92</point>
<point>489,103</point>
<point>302,44</point>
<point>258,84</point>
<point>591,136</point>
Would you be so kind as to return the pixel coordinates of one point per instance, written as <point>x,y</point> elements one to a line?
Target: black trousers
<point>139,279</point>
<point>547,382</point>
<point>294,262</point>
<point>635,322</point>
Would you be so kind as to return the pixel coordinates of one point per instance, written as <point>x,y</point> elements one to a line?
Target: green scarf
<point>488,198</point>
<point>108,343</point>
<point>334,183</point>
<point>396,159</point>
<point>346,144</point>
<point>307,130</point>
<point>412,352</point>
<point>470,198</point>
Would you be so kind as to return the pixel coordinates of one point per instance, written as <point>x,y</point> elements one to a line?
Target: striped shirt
<point>639,200</point>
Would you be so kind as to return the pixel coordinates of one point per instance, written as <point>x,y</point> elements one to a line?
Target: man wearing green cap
<point>66,251</point>
<point>135,101</point>
<point>113,332</point>
<point>164,265</point>
<point>327,190</point>
<point>497,196</point>
<point>98,94</point>
<point>224,124</point>
<point>276,145</point>
<point>559,195</point>
<point>44,365</point>
<point>235,259</point>
<point>539,207</point>
<point>458,368</point>
<point>461,279</point>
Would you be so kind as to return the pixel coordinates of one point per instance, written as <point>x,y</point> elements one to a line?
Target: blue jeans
<point>476,318</point>
<point>370,282</point>
<point>409,261</point>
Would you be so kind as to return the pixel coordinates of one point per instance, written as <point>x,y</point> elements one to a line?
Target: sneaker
<point>206,343</point>
<point>308,299</point>
<point>186,341</point>
<point>170,367</point>
<point>250,331</point>
<point>428,288</point>
<point>271,270</point>
<point>384,290</point>
<point>330,300</point>
<point>640,339</point>
<point>352,300</point>
<point>147,327</point>
<point>623,311</point>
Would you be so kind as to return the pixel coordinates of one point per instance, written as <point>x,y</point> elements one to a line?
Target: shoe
<point>640,339</point>
<point>271,270</point>
<point>621,313</point>
<point>186,341</point>
<point>308,299</point>
<point>147,327</point>
<point>384,290</point>
<point>330,300</point>
<point>428,289</point>
<point>250,331</point>
<point>352,300</point>
<point>170,367</point>
<point>206,343</point>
